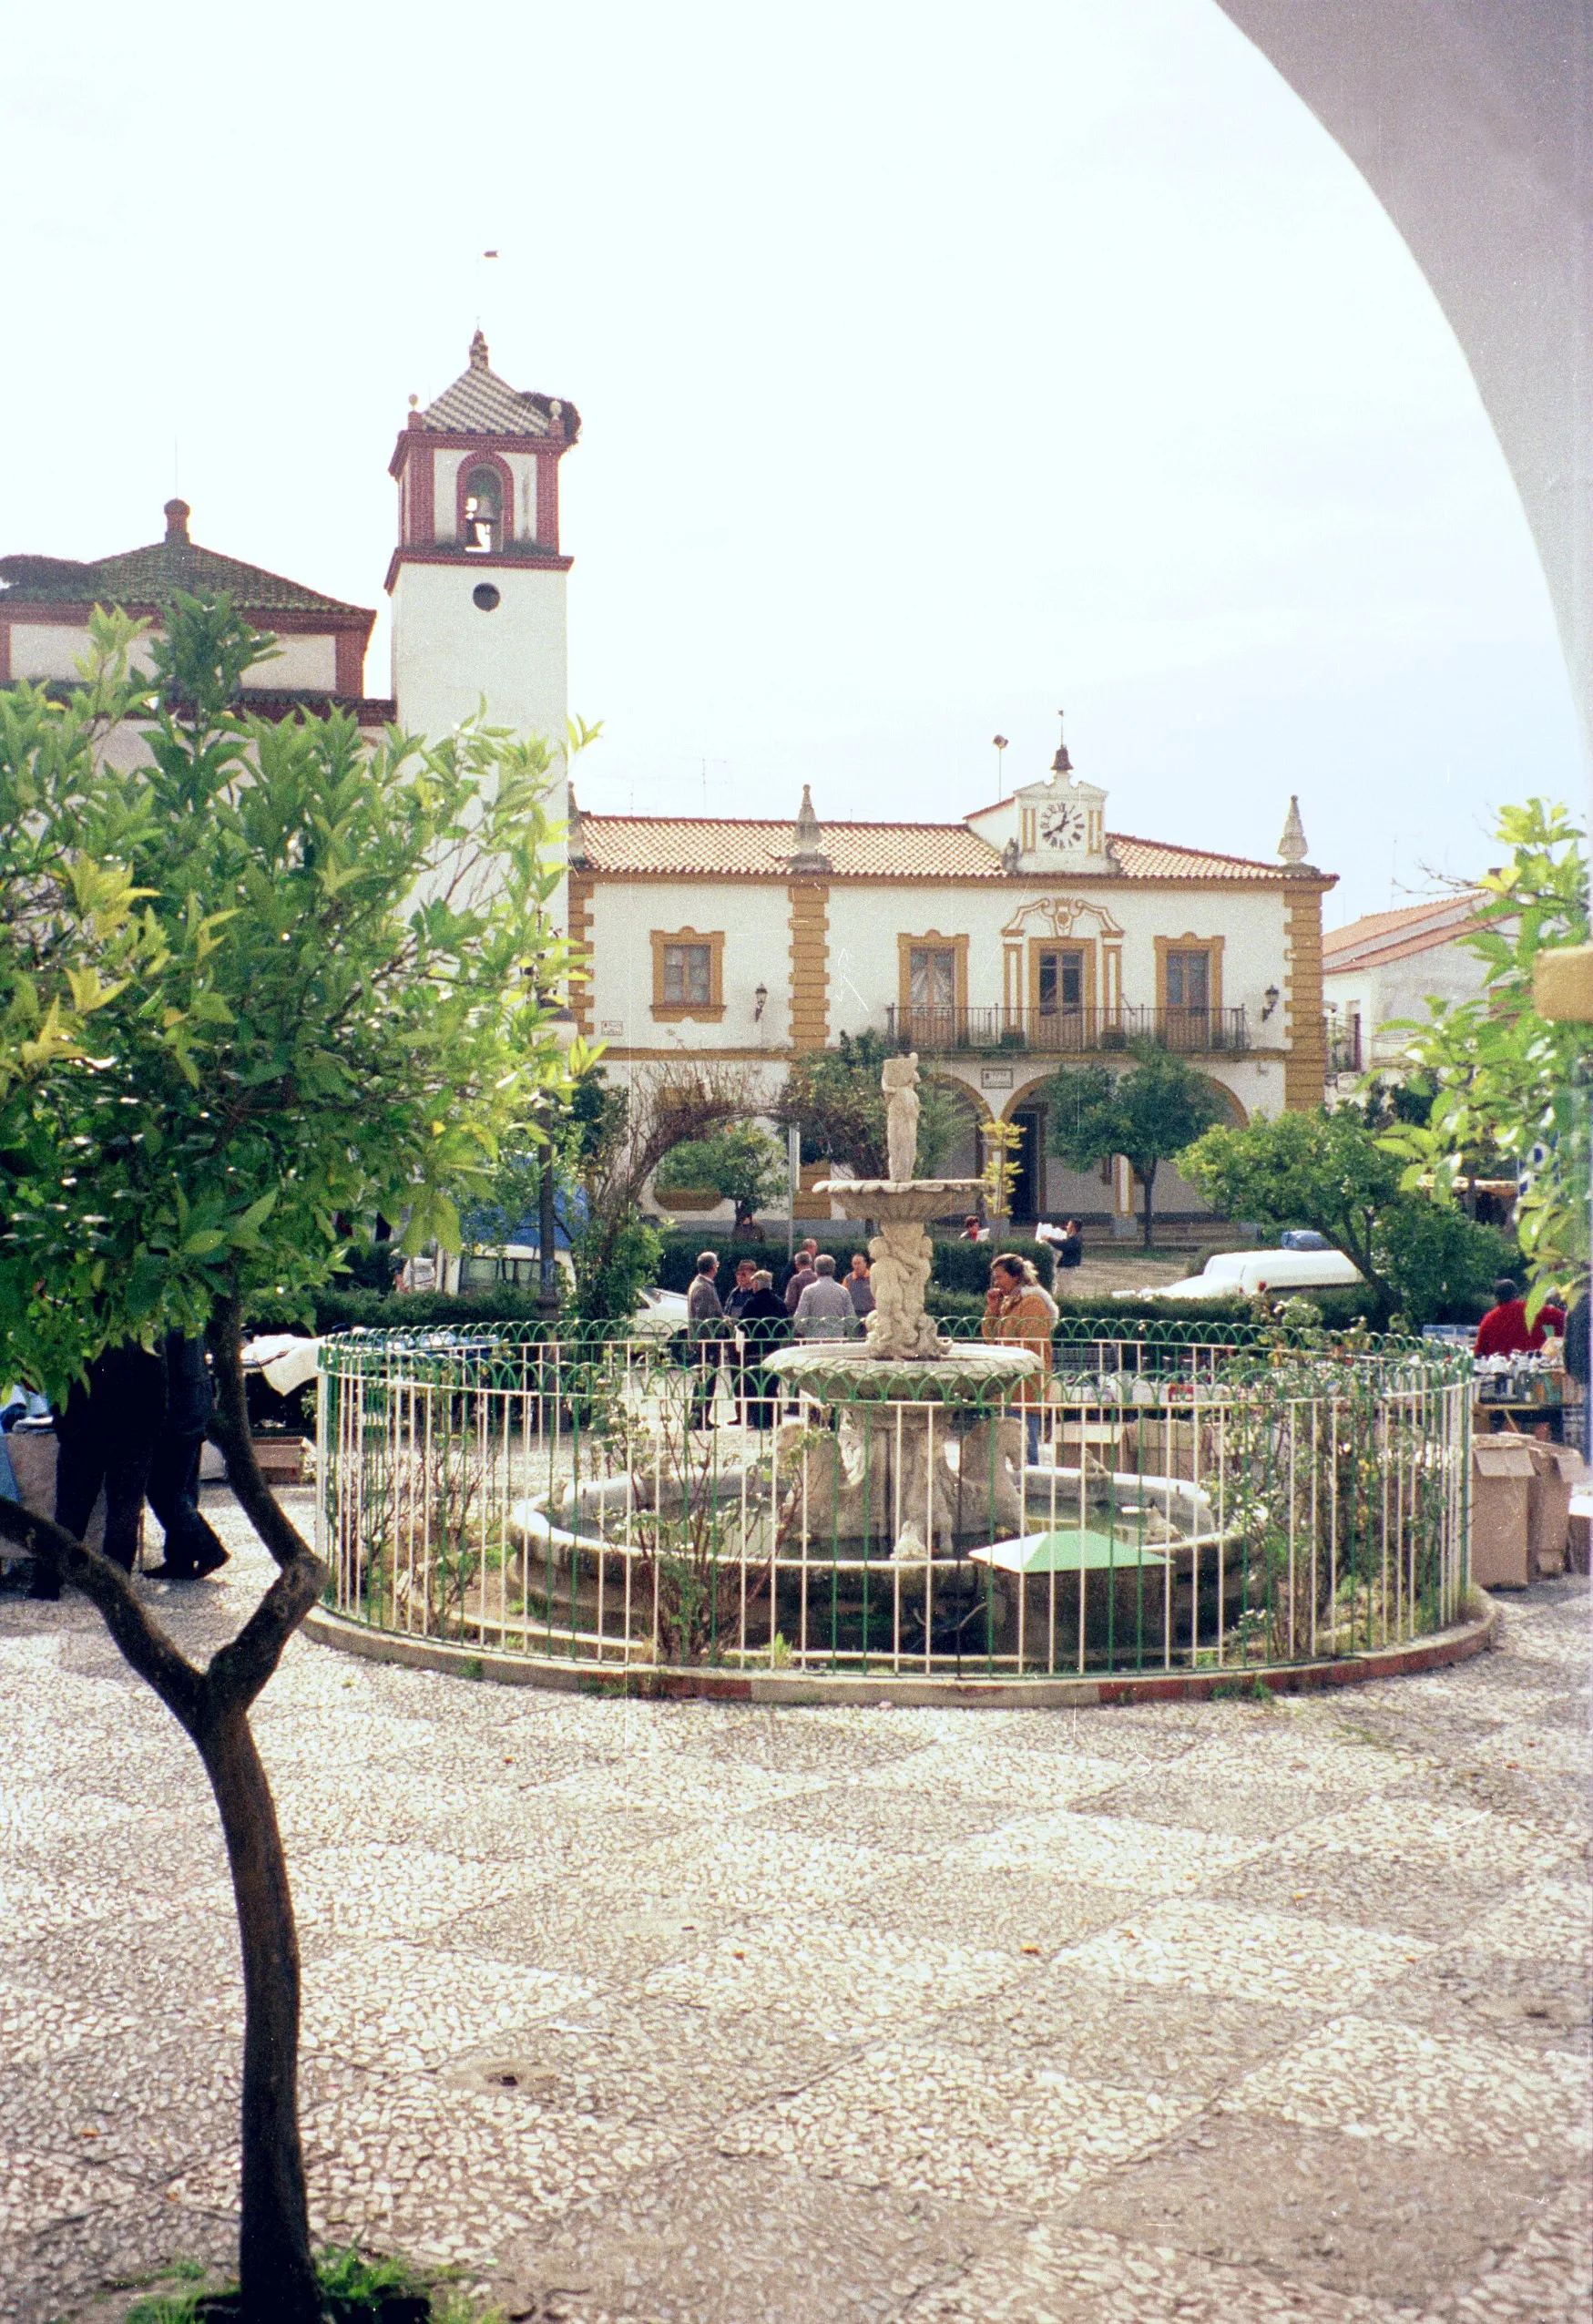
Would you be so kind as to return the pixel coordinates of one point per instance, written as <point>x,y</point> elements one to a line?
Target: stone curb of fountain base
<point>1444,1647</point>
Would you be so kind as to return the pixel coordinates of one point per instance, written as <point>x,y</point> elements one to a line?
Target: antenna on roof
<point>1000,742</point>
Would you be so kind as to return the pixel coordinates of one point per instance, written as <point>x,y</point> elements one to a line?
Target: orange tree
<point>270,980</point>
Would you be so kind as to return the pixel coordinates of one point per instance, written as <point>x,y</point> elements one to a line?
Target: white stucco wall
<point>864,925</point>
<point>448,654</point>
<point>866,921</point>
<point>756,924</point>
<point>43,649</point>
<point>306,662</point>
<point>1399,988</point>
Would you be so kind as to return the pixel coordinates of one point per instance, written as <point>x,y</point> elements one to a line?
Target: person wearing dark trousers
<point>703,1318</point>
<point>105,1436</point>
<point>765,1326</point>
<point>192,1548</point>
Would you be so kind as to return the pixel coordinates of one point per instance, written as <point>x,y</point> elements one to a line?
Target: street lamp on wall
<point>760,1001</point>
<point>1271,997</point>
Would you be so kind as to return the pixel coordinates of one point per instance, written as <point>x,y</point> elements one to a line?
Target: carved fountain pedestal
<point>902,1483</point>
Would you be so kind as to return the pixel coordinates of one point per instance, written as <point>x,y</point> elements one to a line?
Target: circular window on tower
<point>484,596</point>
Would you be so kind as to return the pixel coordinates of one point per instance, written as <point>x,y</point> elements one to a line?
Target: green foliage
<point>1327,1170</point>
<point>614,1261</point>
<point>1500,1080</point>
<point>834,1097</point>
<point>271,980</point>
<point>1150,1114</point>
<point>355,2289</point>
<point>739,1162</point>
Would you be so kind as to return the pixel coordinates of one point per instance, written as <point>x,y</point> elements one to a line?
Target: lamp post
<point>563,1029</point>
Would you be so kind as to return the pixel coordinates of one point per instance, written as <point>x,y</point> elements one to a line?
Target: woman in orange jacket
<point>1019,1309</point>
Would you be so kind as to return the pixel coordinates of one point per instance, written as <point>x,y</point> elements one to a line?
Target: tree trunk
<point>1148,1179</point>
<point>275,2270</point>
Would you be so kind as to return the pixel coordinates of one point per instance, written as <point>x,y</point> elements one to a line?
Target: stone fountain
<point>924,1476</point>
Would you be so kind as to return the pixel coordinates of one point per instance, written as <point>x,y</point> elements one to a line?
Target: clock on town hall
<point>1064,826</point>
<point>1048,827</point>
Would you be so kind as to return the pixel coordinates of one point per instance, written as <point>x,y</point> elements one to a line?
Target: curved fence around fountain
<point>1177,1500</point>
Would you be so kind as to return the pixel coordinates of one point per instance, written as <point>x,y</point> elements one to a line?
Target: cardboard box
<point>33,1463</point>
<point>1557,1474</point>
<point>1502,1475</point>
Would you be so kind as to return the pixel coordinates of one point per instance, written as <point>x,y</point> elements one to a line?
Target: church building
<point>1028,934</point>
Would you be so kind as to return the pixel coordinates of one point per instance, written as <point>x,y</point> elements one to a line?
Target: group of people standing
<point>135,1429</point>
<point>1018,1310</point>
<point>817,1302</point>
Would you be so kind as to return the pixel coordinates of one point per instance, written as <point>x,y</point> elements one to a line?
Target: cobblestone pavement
<point>686,2011</point>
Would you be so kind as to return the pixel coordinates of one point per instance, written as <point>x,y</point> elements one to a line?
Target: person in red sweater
<point>1504,1330</point>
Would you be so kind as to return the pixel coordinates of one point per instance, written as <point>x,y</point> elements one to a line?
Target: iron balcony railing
<point>1344,1050</point>
<point>1069,1032</point>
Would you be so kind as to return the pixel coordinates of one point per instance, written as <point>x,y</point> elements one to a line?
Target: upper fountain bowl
<point>894,1201</point>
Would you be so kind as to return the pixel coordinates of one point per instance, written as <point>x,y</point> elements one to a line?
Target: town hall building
<point>1028,934</point>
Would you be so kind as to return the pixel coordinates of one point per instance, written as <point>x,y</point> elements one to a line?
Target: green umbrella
<point>1068,1553</point>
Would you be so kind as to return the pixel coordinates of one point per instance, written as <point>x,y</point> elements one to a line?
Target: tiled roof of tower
<point>481,404</point>
<point>153,575</point>
<point>715,848</point>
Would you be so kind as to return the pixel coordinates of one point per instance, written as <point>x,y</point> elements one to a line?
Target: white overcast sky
<point>938,366</point>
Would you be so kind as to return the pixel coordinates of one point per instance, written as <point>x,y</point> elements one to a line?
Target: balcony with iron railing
<point>1345,1047</point>
<point>1066,1033</point>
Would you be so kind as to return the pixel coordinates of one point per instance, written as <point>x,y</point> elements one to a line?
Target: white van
<point>1244,1273</point>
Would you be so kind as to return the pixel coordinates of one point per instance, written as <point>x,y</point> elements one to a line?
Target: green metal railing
<point>1174,1497</point>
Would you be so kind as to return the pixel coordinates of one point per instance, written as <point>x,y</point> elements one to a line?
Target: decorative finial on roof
<point>809,855</point>
<point>1291,847</point>
<point>478,351</point>
<point>413,401</point>
<point>1061,763</point>
<point>176,514</point>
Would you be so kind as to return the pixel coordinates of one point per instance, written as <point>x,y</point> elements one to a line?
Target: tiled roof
<point>1397,936</point>
<point>712,847</point>
<point>481,404</point>
<point>720,847</point>
<point>1152,859</point>
<point>152,576</point>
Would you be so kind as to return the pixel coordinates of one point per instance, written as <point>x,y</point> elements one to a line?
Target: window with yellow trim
<point>688,975</point>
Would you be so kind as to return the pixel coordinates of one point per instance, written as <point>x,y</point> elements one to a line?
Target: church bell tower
<point>477,581</point>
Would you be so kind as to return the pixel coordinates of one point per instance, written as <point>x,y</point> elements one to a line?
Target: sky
<point>939,368</point>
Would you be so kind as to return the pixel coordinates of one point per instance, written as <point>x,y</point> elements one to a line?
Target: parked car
<point>659,1314</point>
<point>1243,1274</point>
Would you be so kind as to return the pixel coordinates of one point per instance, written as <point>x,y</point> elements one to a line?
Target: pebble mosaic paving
<point>687,2013</point>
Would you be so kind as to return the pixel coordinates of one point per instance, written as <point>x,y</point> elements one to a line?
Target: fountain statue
<point>903,1360</point>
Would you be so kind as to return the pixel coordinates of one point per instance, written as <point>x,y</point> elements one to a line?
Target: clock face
<point>1062,826</point>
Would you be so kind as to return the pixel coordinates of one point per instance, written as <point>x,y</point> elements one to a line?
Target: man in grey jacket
<point>825,1310</point>
<point>703,1311</point>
